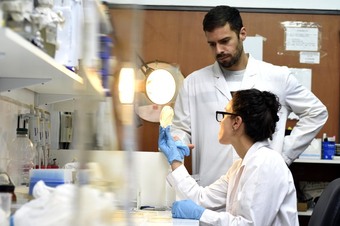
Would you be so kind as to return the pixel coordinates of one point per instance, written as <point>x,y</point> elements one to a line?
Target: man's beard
<point>234,59</point>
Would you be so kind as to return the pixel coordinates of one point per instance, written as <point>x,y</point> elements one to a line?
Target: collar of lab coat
<point>248,80</point>
<point>252,150</point>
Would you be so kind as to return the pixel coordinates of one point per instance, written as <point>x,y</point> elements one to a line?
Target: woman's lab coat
<point>256,191</point>
<point>206,91</point>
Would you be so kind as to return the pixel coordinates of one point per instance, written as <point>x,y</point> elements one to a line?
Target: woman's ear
<point>237,122</point>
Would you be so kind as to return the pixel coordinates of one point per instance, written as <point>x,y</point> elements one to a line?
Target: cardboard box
<point>304,206</point>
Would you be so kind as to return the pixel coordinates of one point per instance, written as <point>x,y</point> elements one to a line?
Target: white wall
<point>280,4</point>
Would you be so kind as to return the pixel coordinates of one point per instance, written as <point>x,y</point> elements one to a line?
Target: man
<point>210,89</point>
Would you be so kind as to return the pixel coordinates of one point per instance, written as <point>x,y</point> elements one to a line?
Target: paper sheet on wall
<point>302,39</point>
<point>254,46</point>
<point>304,76</point>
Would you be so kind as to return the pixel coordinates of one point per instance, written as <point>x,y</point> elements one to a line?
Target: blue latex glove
<point>182,148</point>
<point>187,209</point>
<point>11,222</point>
<point>171,149</point>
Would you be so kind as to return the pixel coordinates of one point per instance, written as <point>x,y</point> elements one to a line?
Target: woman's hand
<point>173,150</point>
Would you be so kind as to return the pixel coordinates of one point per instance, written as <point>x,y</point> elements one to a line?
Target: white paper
<point>302,39</point>
<point>254,46</point>
<point>303,75</point>
<point>310,57</point>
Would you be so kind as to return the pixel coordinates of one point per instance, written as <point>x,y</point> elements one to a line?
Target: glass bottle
<point>21,155</point>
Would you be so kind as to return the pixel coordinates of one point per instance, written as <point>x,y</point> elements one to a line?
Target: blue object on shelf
<point>51,177</point>
<point>328,149</point>
<point>105,56</point>
<point>105,47</point>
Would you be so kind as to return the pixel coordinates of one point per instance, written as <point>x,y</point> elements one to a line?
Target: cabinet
<point>314,170</point>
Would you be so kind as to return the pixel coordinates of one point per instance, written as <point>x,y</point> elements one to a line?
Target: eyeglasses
<point>220,115</point>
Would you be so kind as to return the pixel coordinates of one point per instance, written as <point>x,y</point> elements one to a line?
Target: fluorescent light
<point>126,86</point>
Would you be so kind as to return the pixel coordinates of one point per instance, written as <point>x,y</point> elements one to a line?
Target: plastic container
<point>21,155</point>
<point>328,149</point>
<point>51,177</point>
<point>3,153</point>
<point>337,149</point>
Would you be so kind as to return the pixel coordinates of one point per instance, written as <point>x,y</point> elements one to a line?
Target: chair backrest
<point>327,209</point>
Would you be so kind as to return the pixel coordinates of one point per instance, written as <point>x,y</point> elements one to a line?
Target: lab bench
<point>110,168</point>
<point>152,218</point>
<point>119,217</point>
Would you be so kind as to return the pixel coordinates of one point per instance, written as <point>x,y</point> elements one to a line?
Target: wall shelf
<point>23,65</point>
<point>322,161</point>
<point>306,213</point>
<point>21,59</point>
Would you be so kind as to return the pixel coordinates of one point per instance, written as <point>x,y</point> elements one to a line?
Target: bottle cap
<point>22,131</point>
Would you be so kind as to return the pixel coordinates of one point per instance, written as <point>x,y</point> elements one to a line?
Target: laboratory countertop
<point>185,222</point>
<point>118,217</point>
<point>160,218</point>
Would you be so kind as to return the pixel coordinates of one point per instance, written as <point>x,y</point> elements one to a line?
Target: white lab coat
<point>206,91</point>
<point>256,191</point>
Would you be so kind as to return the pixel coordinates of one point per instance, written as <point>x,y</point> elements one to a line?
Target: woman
<point>258,189</point>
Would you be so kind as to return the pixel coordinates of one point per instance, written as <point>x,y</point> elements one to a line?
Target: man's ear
<point>243,34</point>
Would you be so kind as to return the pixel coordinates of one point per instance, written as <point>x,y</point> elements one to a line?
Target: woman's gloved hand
<point>187,209</point>
<point>173,150</point>
<point>182,148</point>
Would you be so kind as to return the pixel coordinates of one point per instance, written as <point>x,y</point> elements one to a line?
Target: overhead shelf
<point>25,65</point>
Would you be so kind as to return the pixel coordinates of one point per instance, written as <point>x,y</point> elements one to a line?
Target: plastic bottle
<point>3,153</point>
<point>21,155</point>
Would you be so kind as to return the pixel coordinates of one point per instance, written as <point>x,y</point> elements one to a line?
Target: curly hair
<point>259,112</point>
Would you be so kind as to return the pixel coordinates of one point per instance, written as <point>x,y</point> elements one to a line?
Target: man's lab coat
<point>256,191</point>
<point>206,91</point>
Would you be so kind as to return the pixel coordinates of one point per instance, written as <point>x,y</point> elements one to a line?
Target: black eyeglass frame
<point>223,113</point>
